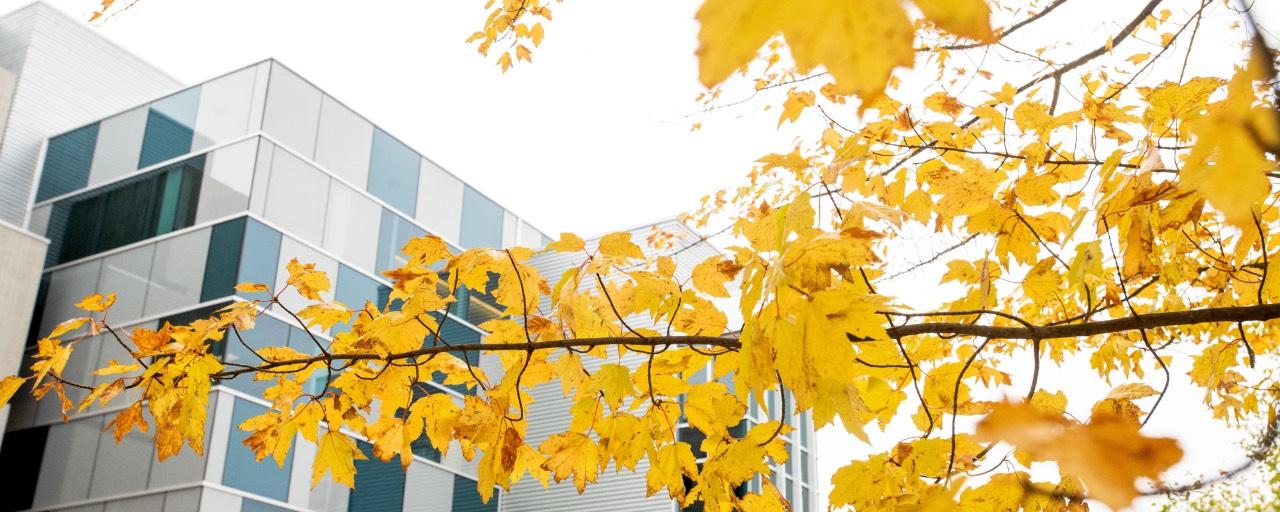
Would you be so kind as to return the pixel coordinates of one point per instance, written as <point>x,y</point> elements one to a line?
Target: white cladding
<point>68,75</point>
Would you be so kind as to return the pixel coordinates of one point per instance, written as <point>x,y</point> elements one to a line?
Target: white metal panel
<point>439,201</point>
<point>68,76</point>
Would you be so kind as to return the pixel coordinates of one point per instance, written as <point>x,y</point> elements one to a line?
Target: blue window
<point>222,264</point>
<point>66,162</point>
<point>259,258</point>
<point>354,290</point>
<point>125,212</point>
<point>266,332</point>
<point>170,127</point>
<point>393,172</point>
<point>394,233</point>
<point>481,220</point>
<point>248,505</point>
<point>379,485</point>
<point>466,497</point>
<point>242,472</point>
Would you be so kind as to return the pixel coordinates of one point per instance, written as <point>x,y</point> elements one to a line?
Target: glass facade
<point>481,220</point>
<point>241,471</point>
<point>393,172</point>
<point>170,127</point>
<point>67,160</point>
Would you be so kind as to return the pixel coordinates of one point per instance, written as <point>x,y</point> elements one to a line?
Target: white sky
<point>594,136</point>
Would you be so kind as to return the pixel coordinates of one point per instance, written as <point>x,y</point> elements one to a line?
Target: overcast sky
<point>594,136</point>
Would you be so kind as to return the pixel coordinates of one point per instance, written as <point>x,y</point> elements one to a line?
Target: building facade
<point>172,196</point>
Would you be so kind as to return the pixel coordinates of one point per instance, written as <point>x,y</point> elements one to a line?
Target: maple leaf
<point>306,279</point>
<point>336,455</point>
<point>1108,453</point>
<point>571,453</point>
<point>568,242</point>
<point>619,245</point>
<point>8,387</point>
<point>97,302</point>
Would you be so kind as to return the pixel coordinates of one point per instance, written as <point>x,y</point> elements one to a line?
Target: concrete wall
<point>22,255</point>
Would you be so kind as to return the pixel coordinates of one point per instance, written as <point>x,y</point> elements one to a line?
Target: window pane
<point>66,287</point>
<point>121,468</point>
<point>293,110</point>
<point>296,197</point>
<point>466,497</point>
<point>170,127</point>
<point>228,178</point>
<point>393,172</point>
<point>260,258</point>
<point>344,142</point>
<point>67,465</point>
<point>224,108</point>
<point>353,290</point>
<point>440,201</point>
<point>221,267</point>
<point>119,144</point>
<point>125,274</point>
<point>379,485</point>
<point>266,332</point>
<point>242,472</point>
<point>148,503</point>
<point>394,233</point>
<point>66,162</point>
<point>348,228</point>
<point>176,277</point>
<point>481,220</point>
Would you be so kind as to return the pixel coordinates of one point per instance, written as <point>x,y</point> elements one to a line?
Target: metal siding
<point>68,76</point>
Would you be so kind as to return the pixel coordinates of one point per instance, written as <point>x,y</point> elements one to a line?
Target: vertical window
<point>177,272</point>
<point>466,497</point>
<point>228,178</point>
<point>67,161</point>
<point>260,255</point>
<point>242,472</point>
<point>393,172</point>
<point>393,234</point>
<point>125,274</point>
<point>222,263</point>
<point>481,220</point>
<point>266,332</point>
<point>379,485</point>
<point>170,127</point>
<point>225,107</point>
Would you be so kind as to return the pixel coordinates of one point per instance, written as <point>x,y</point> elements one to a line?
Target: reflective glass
<point>67,465</point>
<point>176,276</point>
<point>170,127</point>
<point>67,160</point>
<point>125,274</point>
<point>125,212</point>
<point>393,172</point>
<point>394,232</point>
<point>481,220</point>
<point>440,201</point>
<point>379,485</point>
<point>348,228</point>
<point>510,229</point>
<point>242,472</point>
<point>225,106</point>
<point>466,497</point>
<point>121,467</point>
<point>66,287</point>
<point>354,290</point>
<point>228,178</point>
<point>296,196</point>
<point>118,147</point>
<point>148,503</point>
<point>260,256</point>
<point>222,263</point>
<point>266,332</point>
<point>344,142</point>
<point>293,110</point>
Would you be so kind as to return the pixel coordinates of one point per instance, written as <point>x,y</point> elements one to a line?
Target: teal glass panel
<point>354,290</point>
<point>481,221</point>
<point>393,233</point>
<point>266,332</point>
<point>125,212</point>
<point>222,264</point>
<point>170,127</point>
<point>379,485</point>
<point>242,472</point>
<point>66,162</point>
<point>466,497</point>
<point>249,505</point>
<point>258,260</point>
<point>393,172</point>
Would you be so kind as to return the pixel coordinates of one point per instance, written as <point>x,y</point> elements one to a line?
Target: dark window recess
<point>170,127</point>
<point>125,212</point>
<point>379,485</point>
<point>689,484</point>
<point>222,265</point>
<point>37,311</point>
<point>466,497</point>
<point>66,162</point>
<point>20,458</point>
<point>694,437</point>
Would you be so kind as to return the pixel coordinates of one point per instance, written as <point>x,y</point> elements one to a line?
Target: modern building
<point>168,196</point>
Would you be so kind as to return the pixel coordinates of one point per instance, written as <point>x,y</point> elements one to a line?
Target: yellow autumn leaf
<point>796,102</point>
<point>1108,454</point>
<point>8,387</point>
<point>68,326</point>
<point>1131,392</point>
<point>252,288</point>
<point>97,302</point>
<point>711,274</point>
<point>336,455</point>
<point>325,314</point>
<point>619,245</point>
<point>115,368</point>
<point>568,242</point>
<point>965,18</point>
<point>306,279</point>
<point>572,454</point>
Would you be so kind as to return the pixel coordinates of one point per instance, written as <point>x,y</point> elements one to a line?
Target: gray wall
<point>23,257</point>
<point>68,75</point>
